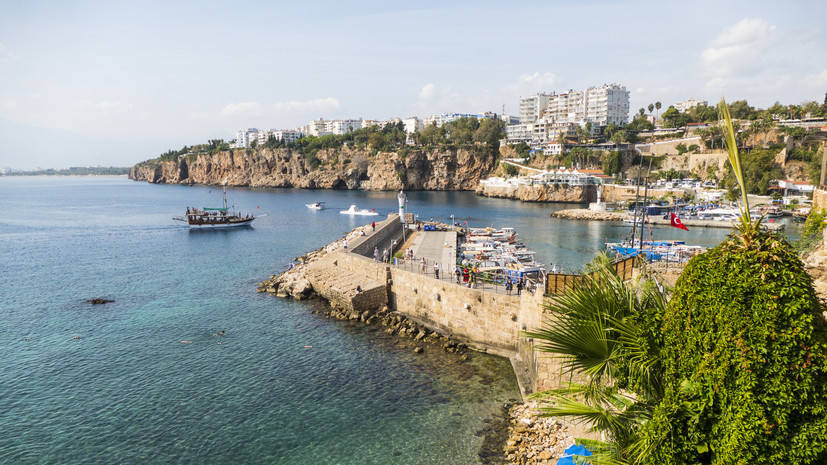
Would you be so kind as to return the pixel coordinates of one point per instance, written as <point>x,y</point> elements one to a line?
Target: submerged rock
<point>99,301</point>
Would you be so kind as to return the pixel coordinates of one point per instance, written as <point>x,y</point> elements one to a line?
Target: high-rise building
<point>600,106</point>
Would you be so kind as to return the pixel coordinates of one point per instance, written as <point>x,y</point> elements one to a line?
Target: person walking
<point>458,274</point>
<point>376,253</point>
<point>385,256</point>
<point>436,270</point>
<point>344,245</point>
<point>373,225</point>
<point>519,286</point>
<point>422,266</point>
<point>508,286</point>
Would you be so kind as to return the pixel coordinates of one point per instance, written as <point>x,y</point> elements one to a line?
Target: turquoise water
<point>113,383</point>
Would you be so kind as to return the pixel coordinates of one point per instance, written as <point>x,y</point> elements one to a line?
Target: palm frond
<point>735,159</point>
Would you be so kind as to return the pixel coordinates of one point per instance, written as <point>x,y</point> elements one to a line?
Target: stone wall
<point>386,231</point>
<point>485,319</point>
<point>819,199</point>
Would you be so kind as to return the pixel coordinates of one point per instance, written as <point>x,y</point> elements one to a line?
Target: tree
<point>744,354</point>
<point>681,148</point>
<point>641,111</point>
<point>600,332</point>
<point>670,117</point>
<point>651,107</point>
<point>657,106</point>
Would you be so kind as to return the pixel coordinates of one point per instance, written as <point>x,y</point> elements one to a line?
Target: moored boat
<point>316,206</point>
<point>353,210</point>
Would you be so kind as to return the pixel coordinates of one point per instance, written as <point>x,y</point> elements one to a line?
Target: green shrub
<point>745,360</point>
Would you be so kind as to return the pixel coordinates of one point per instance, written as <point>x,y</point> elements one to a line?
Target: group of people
<point>385,254</point>
<point>467,275</point>
<point>511,283</point>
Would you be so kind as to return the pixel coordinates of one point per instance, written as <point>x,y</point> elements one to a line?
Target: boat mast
<point>224,184</point>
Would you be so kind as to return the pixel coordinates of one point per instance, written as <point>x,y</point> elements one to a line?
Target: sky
<point>112,83</point>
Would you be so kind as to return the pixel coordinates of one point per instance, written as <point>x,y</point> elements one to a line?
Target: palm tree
<point>651,107</point>
<point>600,332</point>
<point>657,106</point>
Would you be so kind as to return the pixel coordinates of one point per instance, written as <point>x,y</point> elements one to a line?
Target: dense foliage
<point>744,349</point>
<point>759,168</point>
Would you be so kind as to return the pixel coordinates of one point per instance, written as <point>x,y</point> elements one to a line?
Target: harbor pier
<point>485,319</point>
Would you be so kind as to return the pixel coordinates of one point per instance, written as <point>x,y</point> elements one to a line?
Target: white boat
<point>353,210</point>
<point>720,214</point>
<point>216,217</point>
<point>316,206</point>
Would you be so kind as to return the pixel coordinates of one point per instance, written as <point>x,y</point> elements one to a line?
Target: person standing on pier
<point>344,245</point>
<point>519,286</point>
<point>385,255</point>
<point>376,253</point>
<point>422,266</point>
<point>436,270</point>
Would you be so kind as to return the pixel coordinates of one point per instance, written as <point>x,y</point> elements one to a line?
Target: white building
<point>342,126</point>
<point>600,106</point>
<point>444,118</point>
<point>284,135</point>
<point>316,128</point>
<point>243,137</point>
<point>412,124</point>
<point>684,106</point>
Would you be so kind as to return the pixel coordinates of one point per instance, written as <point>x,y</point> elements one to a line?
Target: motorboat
<point>353,210</point>
<point>316,206</point>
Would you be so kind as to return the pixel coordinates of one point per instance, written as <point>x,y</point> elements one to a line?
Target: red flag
<point>676,222</point>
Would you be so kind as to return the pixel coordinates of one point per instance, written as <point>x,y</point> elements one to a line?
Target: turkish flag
<point>676,222</point>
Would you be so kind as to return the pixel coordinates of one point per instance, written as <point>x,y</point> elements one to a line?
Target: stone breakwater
<point>583,214</point>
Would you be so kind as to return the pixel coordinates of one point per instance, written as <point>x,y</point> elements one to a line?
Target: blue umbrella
<point>571,452</point>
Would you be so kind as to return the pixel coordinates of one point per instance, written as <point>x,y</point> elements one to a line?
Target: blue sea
<point>114,384</point>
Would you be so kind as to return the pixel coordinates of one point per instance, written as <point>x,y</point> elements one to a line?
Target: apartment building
<point>687,104</point>
<point>243,137</point>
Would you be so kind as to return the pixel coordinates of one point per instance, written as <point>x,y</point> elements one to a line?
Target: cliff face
<point>342,168</point>
<point>541,193</point>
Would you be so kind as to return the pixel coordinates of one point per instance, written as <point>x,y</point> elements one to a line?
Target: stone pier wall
<point>485,319</point>
<point>386,231</point>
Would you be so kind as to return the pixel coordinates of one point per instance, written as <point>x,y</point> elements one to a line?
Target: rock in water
<point>99,300</point>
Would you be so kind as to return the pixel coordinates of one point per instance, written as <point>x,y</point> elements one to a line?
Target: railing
<point>558,283</point>
<point>488,282</point>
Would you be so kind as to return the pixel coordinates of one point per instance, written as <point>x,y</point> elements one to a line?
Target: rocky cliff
<point>541,193</point>
<point>341,168</point>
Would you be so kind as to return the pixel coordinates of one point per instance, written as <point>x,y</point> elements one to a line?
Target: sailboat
<point>216,217</point>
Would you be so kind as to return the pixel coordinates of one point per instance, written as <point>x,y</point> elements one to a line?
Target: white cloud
<point>319,104</point>
<point>243,108</point>
<point>529,84</point>
<point>815,81</point>
<point>5,55</point>
<point>107,105</point>
<point>742,51</point>
<point>433,99</point>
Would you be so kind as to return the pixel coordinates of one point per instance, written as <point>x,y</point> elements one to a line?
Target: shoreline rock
<point>535,440</point>
<point>584,214</point>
